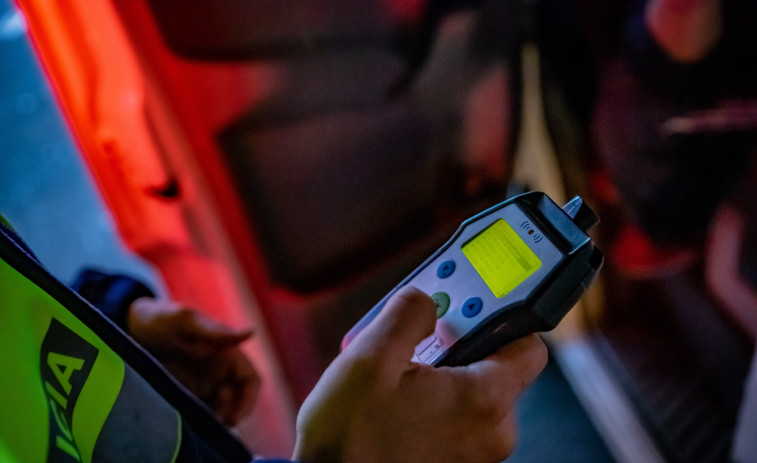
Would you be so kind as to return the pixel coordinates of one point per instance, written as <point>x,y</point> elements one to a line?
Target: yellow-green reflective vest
<point>73,388</point>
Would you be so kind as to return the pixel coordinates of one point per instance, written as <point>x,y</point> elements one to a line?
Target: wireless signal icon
<point>526,225</point>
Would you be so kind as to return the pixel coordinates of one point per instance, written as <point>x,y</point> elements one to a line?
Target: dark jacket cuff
<point>111,294</point>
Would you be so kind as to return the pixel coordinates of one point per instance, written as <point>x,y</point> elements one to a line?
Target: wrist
<point>112,294</point>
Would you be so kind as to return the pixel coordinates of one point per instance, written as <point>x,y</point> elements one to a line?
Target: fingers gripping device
<point>514,269</point>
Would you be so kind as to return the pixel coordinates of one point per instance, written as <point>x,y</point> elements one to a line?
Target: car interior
<point>286,163</point>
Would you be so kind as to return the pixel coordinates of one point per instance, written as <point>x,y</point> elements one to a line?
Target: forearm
<point>685,29</point>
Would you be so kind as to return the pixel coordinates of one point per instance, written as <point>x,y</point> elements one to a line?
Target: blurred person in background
<point>672,125</point>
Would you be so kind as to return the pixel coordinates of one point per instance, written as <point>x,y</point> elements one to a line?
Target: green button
<point>441,300</point>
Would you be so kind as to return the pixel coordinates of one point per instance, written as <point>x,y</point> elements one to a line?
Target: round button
<point>445,269</point>
<point>441,300</point>
<point>472,307</point>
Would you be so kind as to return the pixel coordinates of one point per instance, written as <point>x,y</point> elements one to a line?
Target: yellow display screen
<point>501,257</point>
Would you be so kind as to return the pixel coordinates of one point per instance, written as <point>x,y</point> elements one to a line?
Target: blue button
<point>445,269</point>
<point>472,307</point>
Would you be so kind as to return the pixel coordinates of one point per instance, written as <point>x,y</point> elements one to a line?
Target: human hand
<point>687,30</point>
<point>202,354</point>
<point>373,404</point>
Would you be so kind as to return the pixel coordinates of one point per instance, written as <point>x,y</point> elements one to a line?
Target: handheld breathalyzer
<point>514,269</point>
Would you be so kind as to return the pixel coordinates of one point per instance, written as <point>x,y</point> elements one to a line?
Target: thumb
<point>408,317</point>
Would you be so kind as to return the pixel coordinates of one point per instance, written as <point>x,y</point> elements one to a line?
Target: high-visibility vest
<point>73,387</point>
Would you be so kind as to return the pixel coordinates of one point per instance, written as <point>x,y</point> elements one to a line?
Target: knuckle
<point>503,447</point>
<point>500,441</point>
<point>490,445</point>
<point>508,436</point>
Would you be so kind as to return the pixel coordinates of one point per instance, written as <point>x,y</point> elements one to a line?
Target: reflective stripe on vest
<point>65,396</point>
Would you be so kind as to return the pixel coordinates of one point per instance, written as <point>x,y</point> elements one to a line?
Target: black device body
<point>560,262</point>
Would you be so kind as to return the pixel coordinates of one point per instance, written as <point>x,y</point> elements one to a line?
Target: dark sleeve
<point>194,449</point>
<point>112,294</point>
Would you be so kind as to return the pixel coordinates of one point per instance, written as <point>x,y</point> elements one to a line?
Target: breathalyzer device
<point>514,269</point>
